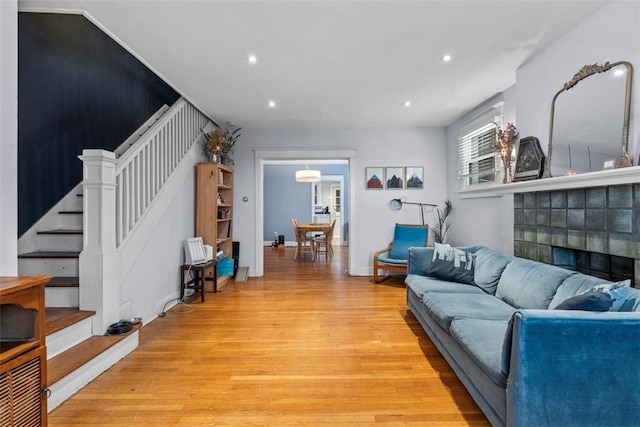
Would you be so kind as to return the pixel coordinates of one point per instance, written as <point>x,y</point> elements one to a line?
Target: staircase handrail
<point>145,167</point>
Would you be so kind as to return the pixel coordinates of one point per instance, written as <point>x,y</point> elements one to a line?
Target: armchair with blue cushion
<point>394,257</point>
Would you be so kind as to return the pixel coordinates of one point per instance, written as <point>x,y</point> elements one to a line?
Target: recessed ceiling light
<point>446,58</point>
<point>272,104</point>
<point>407,103</point>
<point>618,72</point>
<point>253,59</point>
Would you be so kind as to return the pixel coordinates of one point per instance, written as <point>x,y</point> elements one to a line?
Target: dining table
<point>312,227</point>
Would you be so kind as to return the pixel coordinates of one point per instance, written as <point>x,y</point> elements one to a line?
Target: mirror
<point>589,127</point>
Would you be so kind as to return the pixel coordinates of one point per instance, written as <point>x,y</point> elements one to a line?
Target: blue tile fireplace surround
<point>592,230</point>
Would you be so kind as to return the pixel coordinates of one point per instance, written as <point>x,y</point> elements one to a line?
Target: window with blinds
<point>477,155</point>
<point>476,148</point>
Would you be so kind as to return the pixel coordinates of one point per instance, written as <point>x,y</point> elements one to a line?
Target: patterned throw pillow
<point>588,301</point>
<point>618,292</point>
<point>452,264</point>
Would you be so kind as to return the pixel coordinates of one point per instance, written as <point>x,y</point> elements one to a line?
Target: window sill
<point>601,178</point>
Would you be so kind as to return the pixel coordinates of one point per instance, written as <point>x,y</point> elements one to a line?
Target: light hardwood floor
<point>305,345</point>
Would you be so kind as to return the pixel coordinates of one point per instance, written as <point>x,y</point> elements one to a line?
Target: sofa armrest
<point>574,368</point>
<point>418,260</point>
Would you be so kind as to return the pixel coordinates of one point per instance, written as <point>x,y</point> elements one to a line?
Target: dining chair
<point>303,244</point>
<point>404,237</point>
<point>323,244</point>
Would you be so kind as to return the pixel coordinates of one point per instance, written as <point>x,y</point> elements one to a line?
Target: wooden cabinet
<point>23,356</point>
<point>214,206</point>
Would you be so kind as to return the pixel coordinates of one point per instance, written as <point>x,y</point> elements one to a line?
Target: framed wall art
<point>374,178</point>
<point>414,176</point>
<point>394,177</point>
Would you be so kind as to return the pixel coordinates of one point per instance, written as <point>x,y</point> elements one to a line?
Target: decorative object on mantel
<point>505,141</point>
<point>530,160</point>
<point>441,227</point>
<point>219,145</point>
<point>591,121</point>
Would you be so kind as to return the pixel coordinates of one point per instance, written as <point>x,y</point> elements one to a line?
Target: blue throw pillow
<point>452,264</point>
<point>618,292</point>
<point>589,301</point>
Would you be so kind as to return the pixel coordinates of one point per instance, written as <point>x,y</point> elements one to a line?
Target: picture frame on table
<point>394,177</point>
<point>374,177</point>
<point>414,177</point>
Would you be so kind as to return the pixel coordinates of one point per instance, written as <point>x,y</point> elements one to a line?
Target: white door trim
<point>261,156</point>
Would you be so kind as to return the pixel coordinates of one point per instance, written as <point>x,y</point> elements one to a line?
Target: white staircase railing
<point>119,194</point>
<point>144,168</point>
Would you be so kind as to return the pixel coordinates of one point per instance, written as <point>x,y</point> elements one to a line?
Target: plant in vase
<point>219,144</point>
<point>505,141</point>
<point>442,226</point>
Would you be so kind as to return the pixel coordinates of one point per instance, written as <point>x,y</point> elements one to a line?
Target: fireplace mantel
<point>601,178</point>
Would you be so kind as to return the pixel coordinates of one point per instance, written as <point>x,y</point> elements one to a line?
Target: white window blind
<point>476,150</point>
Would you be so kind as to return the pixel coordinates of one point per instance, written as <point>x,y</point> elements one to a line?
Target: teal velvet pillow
<point>588,301</point>
<point>454,265</point>
<point>618,292</point>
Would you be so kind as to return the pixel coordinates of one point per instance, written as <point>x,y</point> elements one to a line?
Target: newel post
<point>99,262</point>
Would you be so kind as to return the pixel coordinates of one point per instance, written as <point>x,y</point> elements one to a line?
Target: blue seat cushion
<point>395,261</point>
<point>421,284</point>
<point>406,236</point>
<point>444,307</point>
<point>482,340</point>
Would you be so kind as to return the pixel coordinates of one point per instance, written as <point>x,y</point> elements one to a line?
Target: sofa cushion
<point>530,284</point>
<point>444,307</point>
<point>632,303</point>
<point>482,340</point>
<point>452,264</point>
<point>488,268</point>
<point>422,284</point>
<point>572,286</point>
<point>588,301</point>
<point>617,291</point>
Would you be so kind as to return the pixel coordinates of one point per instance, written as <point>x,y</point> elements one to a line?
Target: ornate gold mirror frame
<point>586,71</point>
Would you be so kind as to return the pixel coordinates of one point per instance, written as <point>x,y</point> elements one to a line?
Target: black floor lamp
<point>396,205</point>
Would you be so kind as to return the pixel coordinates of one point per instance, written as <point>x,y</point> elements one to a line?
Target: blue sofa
<point>524,362</point>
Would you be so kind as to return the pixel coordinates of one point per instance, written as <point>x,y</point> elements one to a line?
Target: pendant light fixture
<point>308,175</point>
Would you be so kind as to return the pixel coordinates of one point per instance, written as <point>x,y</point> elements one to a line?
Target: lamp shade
<point>307,175</point>
<point>395,204</point>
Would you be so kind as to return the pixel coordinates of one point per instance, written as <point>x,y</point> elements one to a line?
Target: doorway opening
<point>302,156</point>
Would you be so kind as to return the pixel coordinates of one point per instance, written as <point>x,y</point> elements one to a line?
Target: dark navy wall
<point>77,88</point>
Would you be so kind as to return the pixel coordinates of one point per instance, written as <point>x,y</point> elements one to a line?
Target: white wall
<point>482,221</point>
<point>374,222</point>
<point>155,277</point>
<point>611,34</point>
<point>9,138</point>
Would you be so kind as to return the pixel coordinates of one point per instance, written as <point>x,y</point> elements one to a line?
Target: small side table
<point>199,277</point>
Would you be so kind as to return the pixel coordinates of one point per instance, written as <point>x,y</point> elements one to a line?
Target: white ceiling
<point>333,64</point>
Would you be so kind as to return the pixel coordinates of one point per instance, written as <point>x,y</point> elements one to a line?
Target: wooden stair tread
<point>58,318</point>
<point>50,254</point>
<point>63,282</point>
<point>61,231</point>
<point>70,360</point>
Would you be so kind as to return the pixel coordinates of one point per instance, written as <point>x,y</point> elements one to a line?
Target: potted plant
<point>219,144</point>
<point>441,227</point>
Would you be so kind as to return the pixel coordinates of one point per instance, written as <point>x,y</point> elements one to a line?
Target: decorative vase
<point>506,174</point>
<point>214,158</point>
